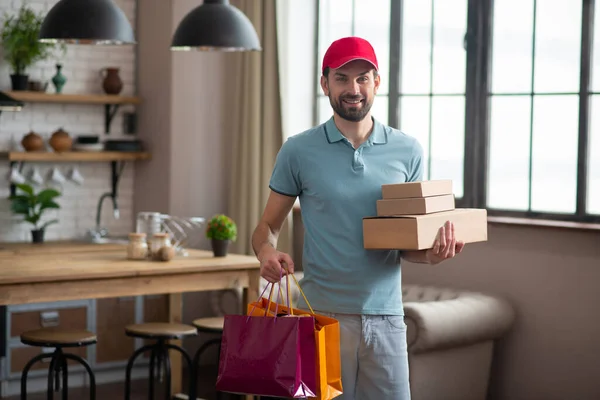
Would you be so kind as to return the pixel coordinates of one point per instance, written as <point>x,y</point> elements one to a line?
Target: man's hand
<point>274,264</point>
<point>445,246</point>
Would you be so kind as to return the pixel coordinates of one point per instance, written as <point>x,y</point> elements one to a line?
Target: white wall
<point>199,141</point>
<point>81,66</point>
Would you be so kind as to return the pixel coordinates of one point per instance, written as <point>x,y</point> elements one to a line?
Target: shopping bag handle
<point>269,302</point>
<point>290,305</point>
<point>302,293</point>
<point>270,296</point>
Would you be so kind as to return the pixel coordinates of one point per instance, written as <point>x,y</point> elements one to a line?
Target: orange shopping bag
<point>327,337</point>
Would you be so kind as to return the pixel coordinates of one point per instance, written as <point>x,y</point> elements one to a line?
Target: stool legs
<point>26,371</point>
<point>188,361</point>
<point>159,357</point>
<point>130,366</point>
<point>58,365</point>
<point>199,352</point>
<point>82,361</point>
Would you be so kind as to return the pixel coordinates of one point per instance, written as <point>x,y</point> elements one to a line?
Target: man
<point>337,169</point>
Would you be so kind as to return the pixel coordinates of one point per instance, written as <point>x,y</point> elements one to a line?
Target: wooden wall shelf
<point>63,98</point>
<point>72,156</point>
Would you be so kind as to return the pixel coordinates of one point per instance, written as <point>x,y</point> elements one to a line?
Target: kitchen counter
<point>70,261</point>
<point>61,271</point>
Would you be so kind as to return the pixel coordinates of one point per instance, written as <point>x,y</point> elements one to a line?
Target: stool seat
<point>214,324</point>
<point>58,338</point>
<point>159,334</point>
<point>160,330</point>
<point>54,336</point>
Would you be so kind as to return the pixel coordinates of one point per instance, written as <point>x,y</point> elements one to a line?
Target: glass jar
<point>161,247</point>
<point>148,223</point>
<point>137,249</point>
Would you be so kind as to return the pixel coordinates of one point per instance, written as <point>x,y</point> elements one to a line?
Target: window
<point>534,106</point>
<point>431,95</point>
<point>422,65</point>
<point>369,19</point>
<point>503,102</point>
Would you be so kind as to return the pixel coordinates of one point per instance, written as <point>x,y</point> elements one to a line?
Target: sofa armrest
<point>466,319</point>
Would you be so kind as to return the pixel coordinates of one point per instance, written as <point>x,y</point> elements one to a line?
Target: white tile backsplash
<point>81,66</point>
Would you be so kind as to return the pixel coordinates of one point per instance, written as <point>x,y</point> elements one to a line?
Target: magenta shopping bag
<point>268,355</point>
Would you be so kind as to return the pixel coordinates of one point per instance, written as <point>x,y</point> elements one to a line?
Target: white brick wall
<point>81,66</point>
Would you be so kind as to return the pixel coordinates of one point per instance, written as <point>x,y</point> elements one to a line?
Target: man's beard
<point>353,114</point>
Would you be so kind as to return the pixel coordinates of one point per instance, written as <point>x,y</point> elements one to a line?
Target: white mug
<point>14,176</point>
<point>35,176</point>
<point>75,176</point>
<point>55,176</point>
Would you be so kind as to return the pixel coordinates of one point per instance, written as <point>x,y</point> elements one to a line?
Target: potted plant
<point>22,48</point>
<point>32,206</point>
<point>222,230</point>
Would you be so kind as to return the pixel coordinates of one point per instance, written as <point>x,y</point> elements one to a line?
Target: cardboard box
<point>418,232</point>
<point>415,205</point>
<point>416,189</point>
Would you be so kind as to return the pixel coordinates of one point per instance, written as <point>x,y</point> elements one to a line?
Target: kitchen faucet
<point>99,232</point>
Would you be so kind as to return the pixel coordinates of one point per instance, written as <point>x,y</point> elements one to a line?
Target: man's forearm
<point>416,256</point>
<point>263,236</point>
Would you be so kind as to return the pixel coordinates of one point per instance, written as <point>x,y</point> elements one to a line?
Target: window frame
<point>478,48</point>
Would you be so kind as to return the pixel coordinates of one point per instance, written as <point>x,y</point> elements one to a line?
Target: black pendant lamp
<point>215,25</point>
<point>96,22</point>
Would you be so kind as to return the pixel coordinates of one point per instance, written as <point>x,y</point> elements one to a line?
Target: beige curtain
<point>256,126</point>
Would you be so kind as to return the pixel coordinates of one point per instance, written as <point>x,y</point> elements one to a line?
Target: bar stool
<point>159,352</point>
<point>208,325</point>
<point>58,339</point>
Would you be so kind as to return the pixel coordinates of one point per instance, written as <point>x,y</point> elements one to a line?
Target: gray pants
<point>374,357</point>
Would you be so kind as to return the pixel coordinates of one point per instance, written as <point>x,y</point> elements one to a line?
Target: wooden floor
<point>139,391</point>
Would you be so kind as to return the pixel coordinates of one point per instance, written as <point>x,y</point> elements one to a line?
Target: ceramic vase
<point>59,80</point>
<point>112,83</point>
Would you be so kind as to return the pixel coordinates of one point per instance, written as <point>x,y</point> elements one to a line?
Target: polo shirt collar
<point>333,134</point>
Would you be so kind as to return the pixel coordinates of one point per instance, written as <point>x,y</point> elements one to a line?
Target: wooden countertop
<point>72,261</point>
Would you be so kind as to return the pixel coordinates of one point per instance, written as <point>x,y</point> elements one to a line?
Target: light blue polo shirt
<point>337,186</point>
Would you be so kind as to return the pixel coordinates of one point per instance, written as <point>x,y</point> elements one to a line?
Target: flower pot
<point>19,82</point>
<point>37,235</point>
<point>220,247</point>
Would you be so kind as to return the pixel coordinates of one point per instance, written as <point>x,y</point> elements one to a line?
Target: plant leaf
<point>25,188</point>
<point>20,206</point>
<point>49,204</point>
<point>46,195</point>
<point>33,219</point>
<point>46,224</point>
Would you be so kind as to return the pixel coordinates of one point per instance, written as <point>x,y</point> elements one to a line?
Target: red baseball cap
<point>347,49</point>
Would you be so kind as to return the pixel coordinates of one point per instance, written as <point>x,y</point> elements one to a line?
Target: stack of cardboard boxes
<point>409,216</point>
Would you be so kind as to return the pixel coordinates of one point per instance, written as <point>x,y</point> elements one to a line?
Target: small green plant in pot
<point>21,45</point>
<point>222,230</point>
<point>32,206</point>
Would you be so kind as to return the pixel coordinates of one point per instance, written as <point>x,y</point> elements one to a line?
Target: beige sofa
<point>450,336</point>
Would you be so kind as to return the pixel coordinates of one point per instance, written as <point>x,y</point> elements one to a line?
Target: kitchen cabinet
<point>106,317</point>
<point>156,309</point>
<point>68,318</point>
<point>19,318</point>
<point>112,315</point>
